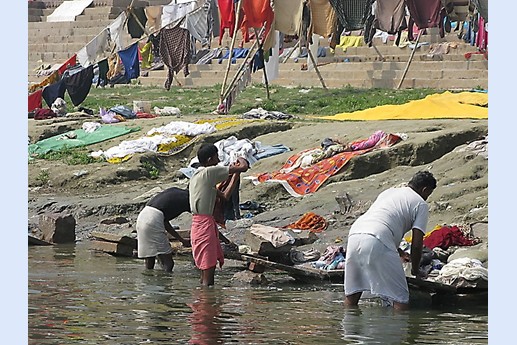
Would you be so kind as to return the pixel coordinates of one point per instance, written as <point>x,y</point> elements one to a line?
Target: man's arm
<point>241,165</point>
<point>417,242</point>
<point>173,232</point>
<point>228,190</point>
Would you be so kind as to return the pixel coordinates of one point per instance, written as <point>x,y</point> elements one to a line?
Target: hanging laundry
<point>227,18</point>
<point>196,22</point>
<point>153,15</point>
<point>47,81</point>
<point>115,30</point>
<point>323,17</point>
<point>389,15</point>
<point>175,51</point>
<point>147,55</point>
<point>78,85</point>
<point>71,62</point>
<point>426,14</point>
<point>256,13</point>
<point>351,14</point>
<point>97,48</point>
<point>103,72</point>
<point>288,16</point>
<point>35,100</point>
<point>134,28</point>
<point>213,18</point>
<point>129,57</point>
<point>172,12</point>
<point>54,91</point>
<point>482,35</point>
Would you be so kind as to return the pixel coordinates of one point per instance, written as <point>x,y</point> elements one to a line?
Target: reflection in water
<point>375,325</point>
<point>206,308</point>
<point>78,296</point>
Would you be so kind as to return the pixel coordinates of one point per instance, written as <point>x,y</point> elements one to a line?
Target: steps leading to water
<point>364,67</point>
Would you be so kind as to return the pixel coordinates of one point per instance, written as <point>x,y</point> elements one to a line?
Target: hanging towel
<point>196,23</point>
<point>154,20</point>
<point>175,51</point>
<point>255,14</point>
<point>78,85</point>
<point>129,57</point>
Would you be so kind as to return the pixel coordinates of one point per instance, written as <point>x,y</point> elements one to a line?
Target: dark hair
<point>423,179</point>
<point>206,151</point>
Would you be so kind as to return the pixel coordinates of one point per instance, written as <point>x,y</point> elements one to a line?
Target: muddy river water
<point>79,296</point>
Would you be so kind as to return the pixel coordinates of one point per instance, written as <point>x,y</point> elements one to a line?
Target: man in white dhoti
<point>372,256</point>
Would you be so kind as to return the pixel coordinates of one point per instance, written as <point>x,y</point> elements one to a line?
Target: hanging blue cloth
<point>129,57</point>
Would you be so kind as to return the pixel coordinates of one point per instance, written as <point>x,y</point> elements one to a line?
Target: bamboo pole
<point>291,52</point>
<point>237,15</point>
<point>316,68</point>
<point>378,52</point>
<point>250,53</point>
<point>263,62</point>
<point>410,59</point>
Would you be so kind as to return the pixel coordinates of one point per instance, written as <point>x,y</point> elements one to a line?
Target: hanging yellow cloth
<point>147,55</point>
<point>447,105</point>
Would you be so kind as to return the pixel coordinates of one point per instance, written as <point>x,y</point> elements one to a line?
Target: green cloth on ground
<point>82,138</point>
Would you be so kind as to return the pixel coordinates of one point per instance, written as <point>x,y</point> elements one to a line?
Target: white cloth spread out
<point>185,128</point>
<point>128,147</point>
<point>68,10</point>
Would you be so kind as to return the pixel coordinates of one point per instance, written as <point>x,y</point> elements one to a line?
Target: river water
<point>80,296</point>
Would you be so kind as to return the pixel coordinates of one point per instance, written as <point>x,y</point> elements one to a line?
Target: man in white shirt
<point>372,256</point>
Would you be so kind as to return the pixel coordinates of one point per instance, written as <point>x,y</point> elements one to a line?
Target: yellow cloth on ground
<point>447,105</point>
<point>350,41</point>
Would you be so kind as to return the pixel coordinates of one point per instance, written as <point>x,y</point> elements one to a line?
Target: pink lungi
<point>204,237</point>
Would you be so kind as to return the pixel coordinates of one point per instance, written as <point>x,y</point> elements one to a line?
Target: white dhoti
<point>151,234</point>
<point>372,266</point>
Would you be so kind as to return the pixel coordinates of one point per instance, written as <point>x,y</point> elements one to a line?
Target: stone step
<point>102,23</point>
<point>57,47</point>
<point>331,75</point>
<point>314,81</point>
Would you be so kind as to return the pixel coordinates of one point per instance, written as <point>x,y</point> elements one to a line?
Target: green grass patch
<point>70,156</point>
<point>295,101</point>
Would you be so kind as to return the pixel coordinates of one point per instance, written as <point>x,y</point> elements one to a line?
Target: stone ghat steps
<point>384,79</point>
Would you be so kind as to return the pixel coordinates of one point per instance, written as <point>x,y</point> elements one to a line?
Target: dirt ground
<point>97,191</point>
